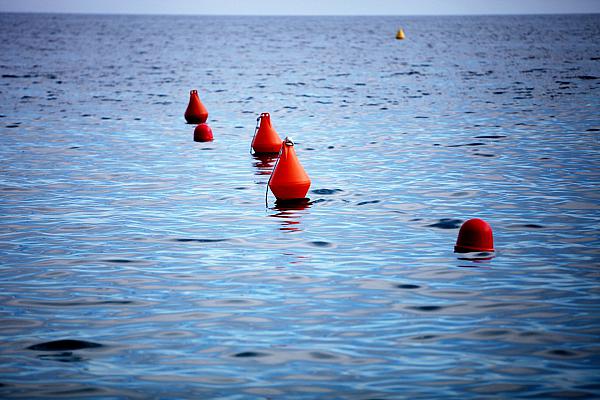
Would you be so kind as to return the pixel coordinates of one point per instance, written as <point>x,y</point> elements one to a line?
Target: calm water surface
<point>154,263</point>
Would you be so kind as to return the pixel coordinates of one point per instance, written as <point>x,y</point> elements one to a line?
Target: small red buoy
<point>203,133</point>
<point>474,235</point>
<point>289,181</point>
<point>195,113</point>
<point>266,139</point>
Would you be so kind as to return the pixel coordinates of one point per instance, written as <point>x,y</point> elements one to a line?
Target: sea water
<point>135,262</point>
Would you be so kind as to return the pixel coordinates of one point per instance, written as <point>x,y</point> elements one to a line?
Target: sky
<point>304,7</point>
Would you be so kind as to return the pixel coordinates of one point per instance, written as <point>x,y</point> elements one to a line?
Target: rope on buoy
<point>288,141</point>
<point>254,136</point>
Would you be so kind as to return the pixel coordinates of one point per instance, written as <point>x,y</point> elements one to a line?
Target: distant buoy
<point>266,139</point>
<point>475,235</point>
<point>195,113</point>
<point>289,181</point>
<point>203,133</point>
<point>400,34</point>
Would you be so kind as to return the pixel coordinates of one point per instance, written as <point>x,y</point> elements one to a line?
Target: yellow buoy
<point>400,34</point>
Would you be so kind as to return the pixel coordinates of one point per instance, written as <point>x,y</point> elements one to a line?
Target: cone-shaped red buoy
<point>266,140</point>
<point>474,235</point>
<point>195,113</point>
<point>203,133</point>
<point>289,181</point>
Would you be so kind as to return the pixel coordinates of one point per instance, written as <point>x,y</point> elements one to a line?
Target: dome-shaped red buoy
<point>203,133</point>
<point>266,139</point>
<point>195,113</point>
<point>289,181</point>
<point>474,235</point>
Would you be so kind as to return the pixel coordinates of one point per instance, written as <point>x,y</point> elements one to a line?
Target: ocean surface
<point>137,263</point>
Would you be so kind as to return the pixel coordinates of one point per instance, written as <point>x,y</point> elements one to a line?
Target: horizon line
<point>296,15</point>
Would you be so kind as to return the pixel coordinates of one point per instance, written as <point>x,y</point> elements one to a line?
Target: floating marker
<point>475,235</point>
<point>400,34</point>
<point>289,181</point>
<point>203,133</point>
<point>195,113</point>
<point>265,140</point>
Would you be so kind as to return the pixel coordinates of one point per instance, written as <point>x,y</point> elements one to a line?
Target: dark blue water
<point>137,263</point>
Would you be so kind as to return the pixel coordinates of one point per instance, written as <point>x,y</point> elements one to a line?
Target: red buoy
<point>266,139</point>
<point>203,133</point>
<point>289,181</point>
<point>474,235</point>
<point>195,113</point>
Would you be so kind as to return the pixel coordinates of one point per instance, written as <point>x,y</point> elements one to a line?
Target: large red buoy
<point>195,113</point>
<point>475,235</point>
<point>203,133</point>
<point>266,139</point>
<point>289,181</point>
